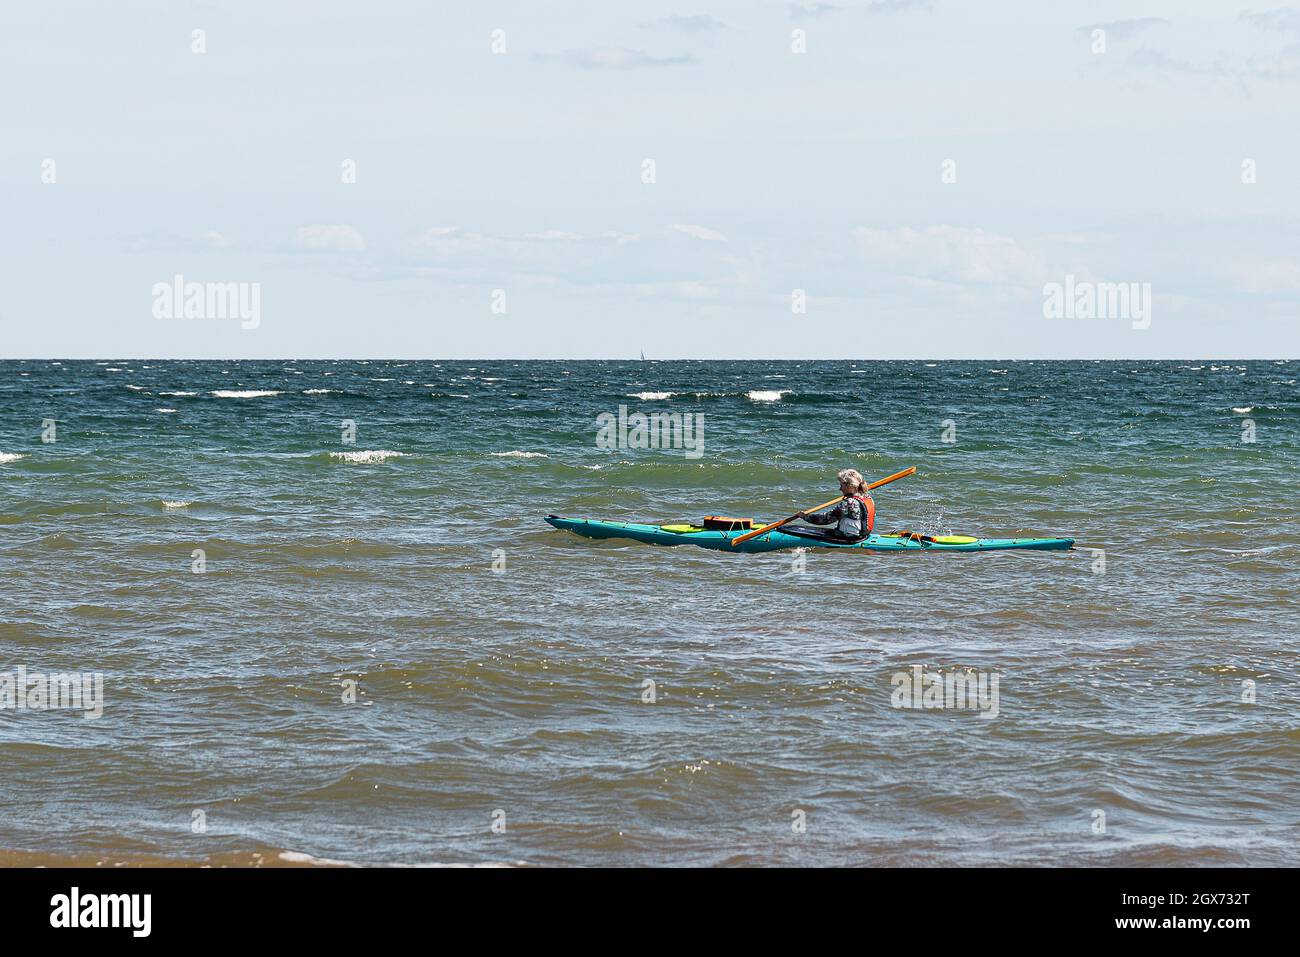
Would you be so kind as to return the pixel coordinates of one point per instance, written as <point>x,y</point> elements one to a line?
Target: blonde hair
<point>853,478</point>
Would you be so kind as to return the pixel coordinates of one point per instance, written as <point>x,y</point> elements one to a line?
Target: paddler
<point>854,517</point>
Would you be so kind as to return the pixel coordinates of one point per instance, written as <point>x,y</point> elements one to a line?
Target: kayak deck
<point>776,540</point>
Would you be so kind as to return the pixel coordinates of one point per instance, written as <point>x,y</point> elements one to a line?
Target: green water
<point>501,665</point>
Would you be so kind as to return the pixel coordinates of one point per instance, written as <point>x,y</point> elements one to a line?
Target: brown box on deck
<point>721,523</point>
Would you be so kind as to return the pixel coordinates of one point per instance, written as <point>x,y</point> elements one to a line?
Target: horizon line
<point>634,360</point>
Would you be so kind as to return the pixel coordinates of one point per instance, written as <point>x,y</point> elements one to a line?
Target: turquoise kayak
<point>797,537</point>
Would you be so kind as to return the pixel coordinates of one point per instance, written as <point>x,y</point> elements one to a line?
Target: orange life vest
<point>869,509</point>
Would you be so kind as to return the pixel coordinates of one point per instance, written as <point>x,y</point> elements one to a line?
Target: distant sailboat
<point>643,355</point>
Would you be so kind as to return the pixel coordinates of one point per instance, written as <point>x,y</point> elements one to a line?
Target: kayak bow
<point>779,539</point>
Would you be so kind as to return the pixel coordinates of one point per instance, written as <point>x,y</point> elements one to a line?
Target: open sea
<point>375,651</point>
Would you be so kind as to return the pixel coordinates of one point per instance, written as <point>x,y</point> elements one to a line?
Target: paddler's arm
<point>828,517</point>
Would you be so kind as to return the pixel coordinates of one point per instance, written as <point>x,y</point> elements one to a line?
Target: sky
<point>865,180</point>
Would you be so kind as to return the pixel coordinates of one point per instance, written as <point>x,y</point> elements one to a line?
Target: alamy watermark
<point>179,299</point>
<point>959,690</point>
<point>63,691</point>
<point>1098,300</point>
<point>130,911</point>
<point>658,430</point>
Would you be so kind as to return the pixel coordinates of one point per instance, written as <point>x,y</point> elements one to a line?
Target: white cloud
<point>897,6</point>
<point>1282,66</point>
<point>696,23</point>
<point>700,232</point>
<point>1266,277</point>
<point>811,11</point>
<point>950,254</point>
<point>1125,29</point>
<point>600,262</point>
<point>433,233</point>
<point>329,238</point>
<point>554,235</point>
<point>557,245</point>
<point>1283,19</point>
<point>617,58</point>
<point>210,241</point>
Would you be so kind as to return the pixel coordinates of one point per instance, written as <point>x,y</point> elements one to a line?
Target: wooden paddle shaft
<point>892,478</point>
<point>785,521</point>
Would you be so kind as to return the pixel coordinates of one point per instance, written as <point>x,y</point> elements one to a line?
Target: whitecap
<point>243,394</point>
<point>297,857</point>
<point>318,391</point>
<point>1244,410</point>
<point>759,395</point>
<point>650,396</point>
<point>367,456</point>
<point>176,504</point>
<point>178,393</point>
<point>164,410</point>
<point>516,454</point>
<point>6,457</point>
